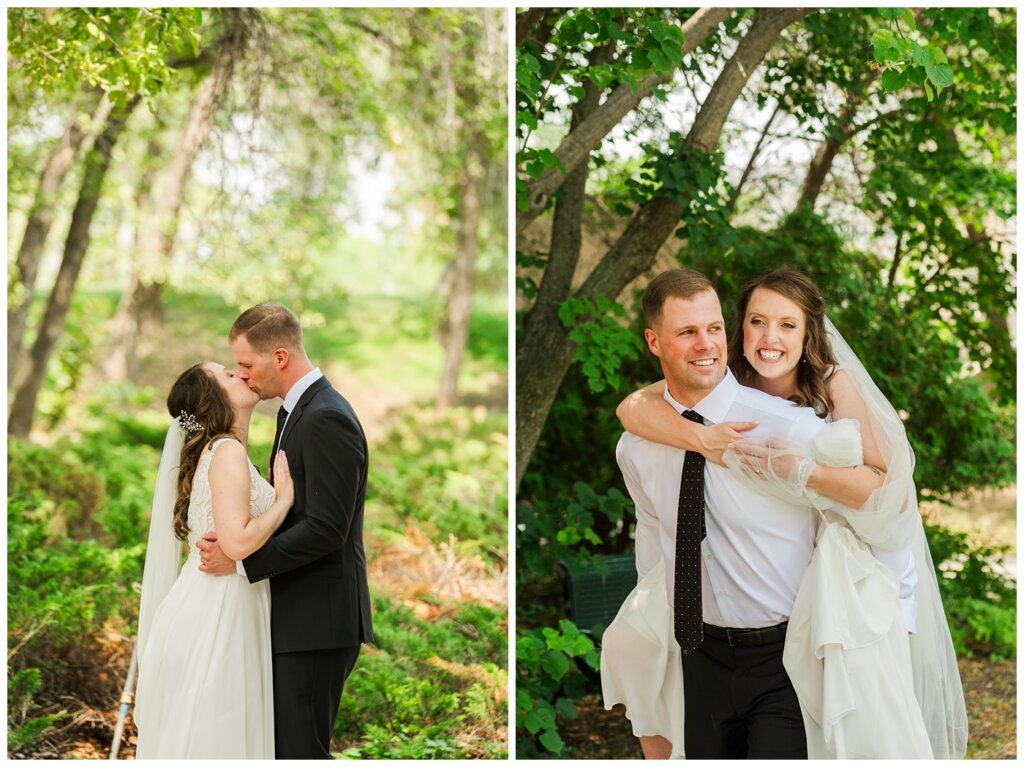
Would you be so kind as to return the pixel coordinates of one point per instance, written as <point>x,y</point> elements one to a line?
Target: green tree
<point>126,55</point>
<point>161,202</point>
<point>680,186</point>
<point>448,65</point>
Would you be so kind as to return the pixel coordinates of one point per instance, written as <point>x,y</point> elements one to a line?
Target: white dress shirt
<point>291,399</point>
<point>757,546</point>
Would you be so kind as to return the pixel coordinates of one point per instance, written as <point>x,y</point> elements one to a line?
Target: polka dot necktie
<point>690,531</point>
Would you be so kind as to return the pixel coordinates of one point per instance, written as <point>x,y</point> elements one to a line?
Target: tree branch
<point>753,158</point>
<point>581,141</point>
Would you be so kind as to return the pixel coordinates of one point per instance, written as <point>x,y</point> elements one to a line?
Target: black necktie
<point>282,415</point>
<point>690,531</point>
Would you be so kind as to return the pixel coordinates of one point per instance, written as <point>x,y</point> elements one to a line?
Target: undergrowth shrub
<point>448,473</point>
<point>57,486</point>
<point>428,689</point>
<point>128,473</point>
<point>61,592</point>
<point>979,598</point>
<point>550,662</point>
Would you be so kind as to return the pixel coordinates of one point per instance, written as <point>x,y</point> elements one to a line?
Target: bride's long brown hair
<point>197,393</point>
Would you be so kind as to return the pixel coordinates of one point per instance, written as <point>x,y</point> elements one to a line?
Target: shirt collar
<point>291,399</point>
<point>716,403</point>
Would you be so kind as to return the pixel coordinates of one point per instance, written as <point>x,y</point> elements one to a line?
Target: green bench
<point>595,592</point>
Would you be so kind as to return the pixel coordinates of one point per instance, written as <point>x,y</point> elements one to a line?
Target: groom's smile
<point>690,341</point>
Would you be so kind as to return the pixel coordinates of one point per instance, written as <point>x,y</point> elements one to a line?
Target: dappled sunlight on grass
<point>411,568</point>
<point>989,516</point>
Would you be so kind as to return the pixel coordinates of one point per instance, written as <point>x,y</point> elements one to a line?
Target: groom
<point>737,556</point>
<point>320,603</point>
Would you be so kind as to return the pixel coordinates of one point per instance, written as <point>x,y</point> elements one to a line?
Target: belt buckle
<point>728,638</point>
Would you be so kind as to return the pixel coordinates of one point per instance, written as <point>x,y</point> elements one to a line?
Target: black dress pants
<point>307,692</point>
<point>740,703</point>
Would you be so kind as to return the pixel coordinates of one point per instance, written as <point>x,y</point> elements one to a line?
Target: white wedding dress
<point>847,651</point>
<point>205,678</point>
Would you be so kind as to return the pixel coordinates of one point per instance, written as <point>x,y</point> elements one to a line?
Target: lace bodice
<point>200,508</point>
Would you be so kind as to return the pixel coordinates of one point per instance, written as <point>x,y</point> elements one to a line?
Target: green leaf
<point>523,700</point>
<point>539,718</point>
<point>673,50</point>
<point>941,75</point>
<point>601,76</point>
<point>916,75</point>
<point>891,80</point>
<point>659,30</point>
<point>928,91</point>
<point>569,32</point>
<point>567,536</point>
<point>93,30</point>
<point>890,14</point>
<point>555,664</point>
<point>882,38</point>
<point>552,741</point>
<point>566,708</point>
<point>920,55</point>
<point>615,31</point>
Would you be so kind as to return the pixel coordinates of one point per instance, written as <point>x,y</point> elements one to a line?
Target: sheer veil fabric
<point>937,683</point>
<point>163,551</point>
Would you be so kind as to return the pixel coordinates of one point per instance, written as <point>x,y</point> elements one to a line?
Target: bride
<point>205,682</point>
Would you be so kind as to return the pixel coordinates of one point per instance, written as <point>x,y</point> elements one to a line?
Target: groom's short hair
<point>267,327</point>
<point>675,283</point>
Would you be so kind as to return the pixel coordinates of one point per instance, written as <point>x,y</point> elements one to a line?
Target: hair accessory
<point>188,422</point>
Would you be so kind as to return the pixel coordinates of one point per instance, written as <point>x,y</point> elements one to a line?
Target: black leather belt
<point>748,637</point>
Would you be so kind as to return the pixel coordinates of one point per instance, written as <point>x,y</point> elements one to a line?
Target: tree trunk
<point>544,358</point>
<point>577,146</point>
<point>455,329</point>
<point>33,374</point>
<point>566,241</point>
<point>566,229</point>
<point>40,219</point>
<point>526,21</point>
<point>821,165</point>
<point>140,308</point>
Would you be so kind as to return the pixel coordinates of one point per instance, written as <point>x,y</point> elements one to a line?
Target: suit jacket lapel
<point>307,396</point>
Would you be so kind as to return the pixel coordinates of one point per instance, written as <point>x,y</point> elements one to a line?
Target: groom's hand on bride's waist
<point>214,561</point>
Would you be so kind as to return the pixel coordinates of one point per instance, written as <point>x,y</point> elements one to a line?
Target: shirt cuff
<point>908,606</point>
<point>240,569</point>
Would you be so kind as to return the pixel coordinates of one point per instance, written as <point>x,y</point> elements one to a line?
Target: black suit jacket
<point>315,560</point>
